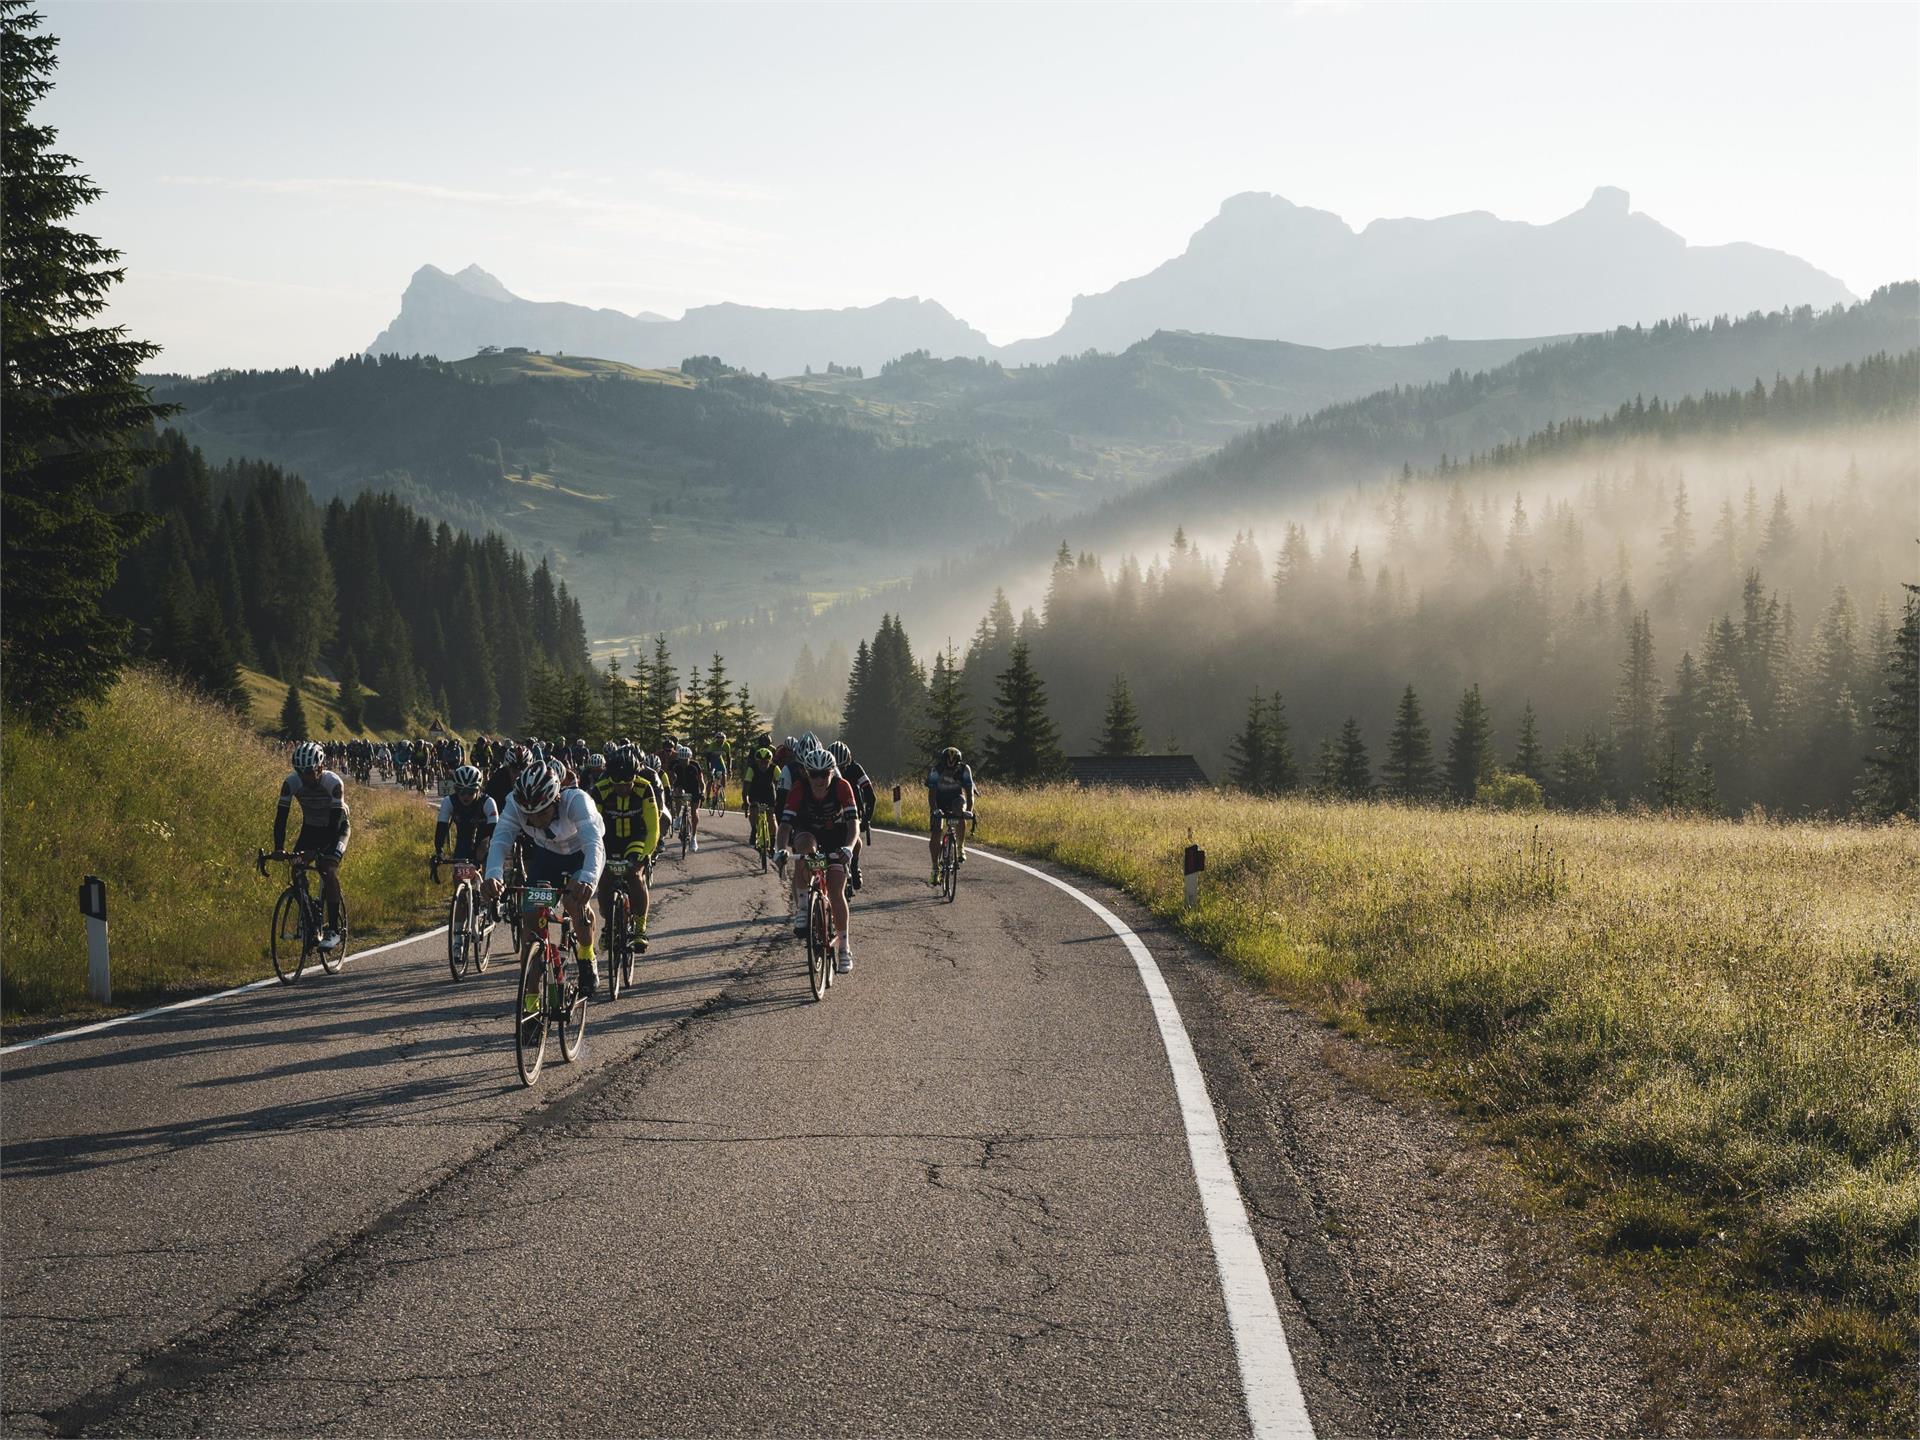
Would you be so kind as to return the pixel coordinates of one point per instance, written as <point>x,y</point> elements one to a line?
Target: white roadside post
<point>93,905</point>
<point>896,805</point>
<point>1195,861</point>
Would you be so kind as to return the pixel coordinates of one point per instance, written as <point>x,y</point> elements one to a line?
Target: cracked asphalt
<point>953,1198</point>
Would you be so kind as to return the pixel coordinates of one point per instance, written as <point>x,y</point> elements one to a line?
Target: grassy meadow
<point>165,796</point>
<point>1700,1038</point>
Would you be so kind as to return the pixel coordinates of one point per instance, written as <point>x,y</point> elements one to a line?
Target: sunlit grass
<point>1701,1038</point>
<point>165,797</point>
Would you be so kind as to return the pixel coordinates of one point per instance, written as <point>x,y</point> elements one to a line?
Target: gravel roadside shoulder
<point>1420,1295</point>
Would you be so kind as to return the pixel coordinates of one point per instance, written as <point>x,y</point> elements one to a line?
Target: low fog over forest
<point>1699,619</point>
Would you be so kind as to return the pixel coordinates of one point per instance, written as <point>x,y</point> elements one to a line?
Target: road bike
<point>686,810</point>
<point>716,793</point>
<point>470,920</point>
<point>763,833</point>
<point>619,933</point>
<point>298,921</point>
<point>820,932</point>
<point>550,997</point>
<point>947,870</point>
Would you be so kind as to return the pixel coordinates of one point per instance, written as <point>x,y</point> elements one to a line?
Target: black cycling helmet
<point>620,767</point>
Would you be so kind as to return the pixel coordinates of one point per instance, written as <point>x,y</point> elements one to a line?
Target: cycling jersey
<point>830,817</point>
<point>685,776</point>
<point>472,826</point>
<point>632,820</point>
<point>575,832</point>
<point>948,792</point>
<point>863,792</point>
<point>324,821</point>
<point>763,785</point>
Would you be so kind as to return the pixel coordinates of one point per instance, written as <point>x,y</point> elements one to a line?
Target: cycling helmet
<point>842,755</point>
<point>950,755</point>
<point>809,743</point>
<point>620,767</point>
<point>466,779</point>
<point>596,761</point>
<point>789,743</point>
<point>308,756</point>
<point>683,753</point>
<point>817,762</point>
<point>537,787</point>
<point>718,738</point>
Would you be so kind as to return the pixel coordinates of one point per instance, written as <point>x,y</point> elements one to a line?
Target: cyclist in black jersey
<point>684,777</point>
<point>324,826</point>
<point>863,796</point>
<point>470,813</point>
<point>632,819</point>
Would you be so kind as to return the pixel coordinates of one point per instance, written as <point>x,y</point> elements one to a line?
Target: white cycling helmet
<point>466,779</point>
<point>537,787</point>
<point>308,756</point>
<point>817,762</point>
<point>842,755</point>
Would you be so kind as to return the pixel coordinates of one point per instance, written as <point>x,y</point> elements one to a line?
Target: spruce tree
<point>1894,766</point>
<point>716,699</point>
<point>662,681</point>
<point>353,699</point>
<point>1025,746</point>
<point>76,418</point>
<point>1326,767</point>
<point>1408,773</point>
<point>949,716</point>
<point>1282,775</point>
<point>293,715</point>
<point>1635,701</point>
<point>1529,755</point>
<point>1247,752</point>
<point>1120,732</point>
<point>1470,751</point>
<point>1352,774</point>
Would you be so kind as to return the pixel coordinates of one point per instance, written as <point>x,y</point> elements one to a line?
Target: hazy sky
<point>275,172</point>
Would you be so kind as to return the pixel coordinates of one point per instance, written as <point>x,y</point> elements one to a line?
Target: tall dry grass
<point>165,796</point>
<point>1701,1037</point>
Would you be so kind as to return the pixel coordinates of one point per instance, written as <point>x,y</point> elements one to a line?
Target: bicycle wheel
<point>819,953</point>
<point>332,960</point>
<point>619,963</point>
<point>686,830</point>
<point>287,941</point>
<point>461,938</point>
<point>530,1013</point>
<point>950,881</point>
<point>573,1009</point>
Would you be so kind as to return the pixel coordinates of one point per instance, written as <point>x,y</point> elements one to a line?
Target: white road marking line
<point>97,1026</point>
<point>1275,1405</point>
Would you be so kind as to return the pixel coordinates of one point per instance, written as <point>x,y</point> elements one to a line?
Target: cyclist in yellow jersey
<point>633,830</point>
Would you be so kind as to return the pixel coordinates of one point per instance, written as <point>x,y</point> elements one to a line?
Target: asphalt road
<point>954,1198</point>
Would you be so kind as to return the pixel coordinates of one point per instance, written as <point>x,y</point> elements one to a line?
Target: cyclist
<point>719,763</point>
<point>632,818</point>
<point>863,796</point>
<point>762,784</point>
<point>565,845</point>
<point>949,792</point>
<point>500,783</point>
<point>324,826</point>
<point>687,784</point>
<point>470,813</point>
<point>820,814</point>
<point>595,768</point>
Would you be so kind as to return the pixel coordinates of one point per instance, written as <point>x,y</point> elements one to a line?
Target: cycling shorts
<point>548,867</point>
<point>320,840</point>
<point>955,804</point>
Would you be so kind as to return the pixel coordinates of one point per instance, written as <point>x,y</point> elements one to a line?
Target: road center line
<point>1275,1406</point>
<point>97,1026</point>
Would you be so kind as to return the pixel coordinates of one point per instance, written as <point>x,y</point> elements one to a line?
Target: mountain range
<point>1263,268</point>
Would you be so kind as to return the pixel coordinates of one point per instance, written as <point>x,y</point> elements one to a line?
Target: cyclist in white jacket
<point>565,846</point>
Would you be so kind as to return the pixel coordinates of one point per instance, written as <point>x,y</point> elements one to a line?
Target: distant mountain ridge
<point>1269,269</point>
<point>1263,268</point>
<point>457,315</point>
